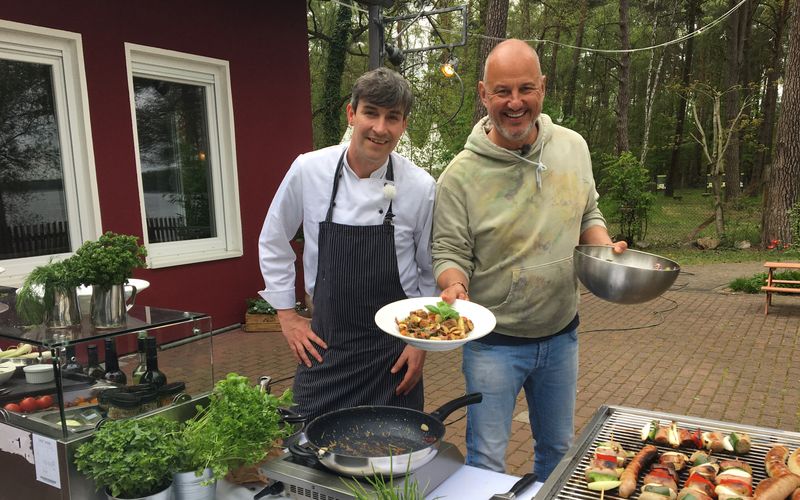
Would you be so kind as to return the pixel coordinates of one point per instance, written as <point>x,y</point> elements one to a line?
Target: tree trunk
<point>680,113</point>
<point>783,185</point>
<point>624,80</point>
<point>766,131</point>
<point>736,40</point>
<point>332,128</point>
<point>496,20</point>
<point>572,81</point>
<point>552,68</point>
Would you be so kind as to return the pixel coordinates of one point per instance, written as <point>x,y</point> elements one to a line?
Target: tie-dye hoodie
<point>510,223</point>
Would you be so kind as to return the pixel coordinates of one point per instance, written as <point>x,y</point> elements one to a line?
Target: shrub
<point>626,182</point>
<point>754,284</point>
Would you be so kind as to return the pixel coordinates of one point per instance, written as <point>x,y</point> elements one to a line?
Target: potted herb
<point>48,294</point>
<point>132,458</point>
<point>236,429</point>
<point>106,265</point>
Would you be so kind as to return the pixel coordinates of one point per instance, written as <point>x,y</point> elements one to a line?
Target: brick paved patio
<point>698,350</point>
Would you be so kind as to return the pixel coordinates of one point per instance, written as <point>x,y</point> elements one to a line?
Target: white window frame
<point>63,51</point>
<point>214,75</point>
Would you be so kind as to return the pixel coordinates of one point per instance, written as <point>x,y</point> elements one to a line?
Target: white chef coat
<point>304,196</point>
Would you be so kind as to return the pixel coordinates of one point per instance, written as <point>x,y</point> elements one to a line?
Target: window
<point>183,122</point>
<point>48,191</point>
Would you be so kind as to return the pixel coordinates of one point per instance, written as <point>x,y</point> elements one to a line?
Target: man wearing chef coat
<point>366,215</point>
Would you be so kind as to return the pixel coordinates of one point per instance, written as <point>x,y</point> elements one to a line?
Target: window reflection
<point>33,211</point>
<point>172,126</point>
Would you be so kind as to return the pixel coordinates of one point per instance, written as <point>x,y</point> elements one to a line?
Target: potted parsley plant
<point>237,428</point>
<point>132,458</point>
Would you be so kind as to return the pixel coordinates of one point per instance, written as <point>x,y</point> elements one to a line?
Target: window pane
<point>33,211</point>
<point>172,124</point>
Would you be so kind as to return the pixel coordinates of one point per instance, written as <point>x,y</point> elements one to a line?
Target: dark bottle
<point>71,364</point>
<point>153,375</point>
<point>113,374</point>
<point>142,366</point>
<point>93,368</point>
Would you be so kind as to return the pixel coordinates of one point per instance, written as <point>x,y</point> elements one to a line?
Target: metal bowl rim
<point>579,249</point>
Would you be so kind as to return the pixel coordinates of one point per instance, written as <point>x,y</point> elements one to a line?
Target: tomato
<point>29,404</point>
<point>45,401</point>
<point>13,407</point>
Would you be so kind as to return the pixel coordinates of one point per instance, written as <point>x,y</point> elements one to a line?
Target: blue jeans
<point>548,372</point>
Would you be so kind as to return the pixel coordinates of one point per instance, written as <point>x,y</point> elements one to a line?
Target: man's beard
<point>513,137</point>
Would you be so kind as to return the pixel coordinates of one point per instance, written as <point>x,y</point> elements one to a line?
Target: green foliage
<point>794,225</point>
<point>36,296</point>
<point>132,458</point>
<point>110,260</point>
<point>754,283</point>
<point>237,428</point>
<point>384,490</point>
<point>260,306</point>
<point>625,182</point>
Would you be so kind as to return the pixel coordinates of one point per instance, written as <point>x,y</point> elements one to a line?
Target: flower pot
<point>165,494</point>
<point>65,311</point>
<point>188,486</point>
<point>108,306</point>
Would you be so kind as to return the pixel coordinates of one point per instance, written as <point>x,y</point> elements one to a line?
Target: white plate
<point>483,321</point>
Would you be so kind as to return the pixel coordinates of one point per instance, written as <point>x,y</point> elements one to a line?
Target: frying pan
<point>369,440</point>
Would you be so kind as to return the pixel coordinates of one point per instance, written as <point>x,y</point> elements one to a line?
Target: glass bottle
<point>153,375</point>
<point>93,368</point>
<point>71,364</point>
<point>142,366</point>
<point>113,374</point>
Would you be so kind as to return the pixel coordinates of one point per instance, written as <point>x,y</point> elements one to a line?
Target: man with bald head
<point>509,210</point>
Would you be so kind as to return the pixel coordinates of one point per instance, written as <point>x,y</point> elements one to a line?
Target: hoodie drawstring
<point>540,167</point>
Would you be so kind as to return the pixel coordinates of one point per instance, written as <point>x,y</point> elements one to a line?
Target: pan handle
<point>448,408</point>
<point>299,450</point>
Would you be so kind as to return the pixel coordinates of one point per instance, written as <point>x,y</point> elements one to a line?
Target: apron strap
<point>387,219</point>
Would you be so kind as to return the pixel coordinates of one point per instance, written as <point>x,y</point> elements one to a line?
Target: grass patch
<point>689,256</point>
<point>754,284</point>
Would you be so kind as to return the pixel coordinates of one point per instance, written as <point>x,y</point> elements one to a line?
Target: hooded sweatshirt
<point>509,220</point>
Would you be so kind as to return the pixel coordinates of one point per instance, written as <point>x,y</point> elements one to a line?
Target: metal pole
<point>375,37</point>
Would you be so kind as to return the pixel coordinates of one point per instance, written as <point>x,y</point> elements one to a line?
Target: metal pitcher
<point>64,311</point>
<point>109,309</point>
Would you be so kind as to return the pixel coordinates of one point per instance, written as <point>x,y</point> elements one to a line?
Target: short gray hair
<point>385,88</point>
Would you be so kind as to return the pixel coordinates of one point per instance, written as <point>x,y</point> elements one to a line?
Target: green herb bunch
<point>110,260</point>
<point>443,309</point>
<point>260,306</point>
<point>237,428</point>
<point>132,458</point>
<point>386,491</point>
<point>37,294</point>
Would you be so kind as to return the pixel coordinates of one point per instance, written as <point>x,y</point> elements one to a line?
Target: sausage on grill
<point>642,460</point>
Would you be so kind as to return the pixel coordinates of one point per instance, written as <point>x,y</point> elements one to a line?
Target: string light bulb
<point>448,69</point>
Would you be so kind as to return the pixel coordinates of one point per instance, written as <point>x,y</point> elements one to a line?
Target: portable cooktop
<point>306,478</point>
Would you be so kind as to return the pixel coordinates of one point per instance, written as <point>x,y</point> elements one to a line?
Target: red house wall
<point>265,44</point>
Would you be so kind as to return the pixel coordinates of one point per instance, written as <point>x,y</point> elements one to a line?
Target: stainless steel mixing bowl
<point>631,277</point>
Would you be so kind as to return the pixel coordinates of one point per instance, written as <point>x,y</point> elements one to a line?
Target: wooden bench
<point>770,287</point>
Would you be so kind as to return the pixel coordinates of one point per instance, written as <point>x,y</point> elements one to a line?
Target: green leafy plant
<point>132,457</point>
<point>237,428</point>
<point>260,306</point>
<point>110,260</point>
<point>36,295</point>
<point>386,491</point>
<point>754,283</point>
<point>626,182</point>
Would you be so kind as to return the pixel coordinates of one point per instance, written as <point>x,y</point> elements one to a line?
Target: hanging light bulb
<point>448,69</point>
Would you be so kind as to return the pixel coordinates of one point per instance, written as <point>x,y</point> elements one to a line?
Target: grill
<point>624,424</point>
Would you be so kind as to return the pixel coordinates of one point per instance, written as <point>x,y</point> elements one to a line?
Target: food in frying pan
<point>439,322</point>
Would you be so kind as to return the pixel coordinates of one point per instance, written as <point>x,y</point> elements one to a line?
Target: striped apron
<point>357,274</point>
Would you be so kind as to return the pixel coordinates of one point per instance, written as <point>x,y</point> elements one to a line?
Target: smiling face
<point>512,91</point>
<point>376,132</point>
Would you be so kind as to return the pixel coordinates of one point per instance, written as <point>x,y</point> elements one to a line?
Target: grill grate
<point>567,481</point>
